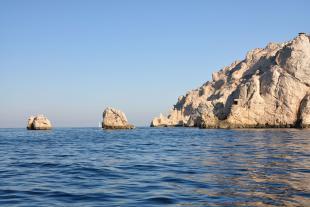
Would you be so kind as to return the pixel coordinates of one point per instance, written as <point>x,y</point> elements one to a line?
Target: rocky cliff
<point>269,88</point>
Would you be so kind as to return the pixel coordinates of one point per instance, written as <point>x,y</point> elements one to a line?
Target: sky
<point>70,59</point>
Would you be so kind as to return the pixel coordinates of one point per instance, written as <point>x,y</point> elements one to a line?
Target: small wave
<point>160,200</point>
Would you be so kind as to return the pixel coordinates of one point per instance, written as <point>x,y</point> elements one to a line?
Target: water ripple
<point>154,167</point>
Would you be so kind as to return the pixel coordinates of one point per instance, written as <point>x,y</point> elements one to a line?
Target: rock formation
<point>269,88</point>
<point>115,119</point>
<point>39,122</point>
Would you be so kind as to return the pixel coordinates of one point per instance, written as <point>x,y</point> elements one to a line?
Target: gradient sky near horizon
<point>69,59</point>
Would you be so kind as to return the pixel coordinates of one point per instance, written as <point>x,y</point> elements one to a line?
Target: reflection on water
<point>260,167</point>
<point>155,167</point>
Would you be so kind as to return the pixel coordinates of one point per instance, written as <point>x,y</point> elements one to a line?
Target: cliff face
<point>269,88</point>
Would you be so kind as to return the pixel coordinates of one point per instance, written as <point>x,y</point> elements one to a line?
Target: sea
<point>155,167</point>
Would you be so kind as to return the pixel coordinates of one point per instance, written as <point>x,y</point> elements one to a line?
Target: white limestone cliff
<point>269,88</point>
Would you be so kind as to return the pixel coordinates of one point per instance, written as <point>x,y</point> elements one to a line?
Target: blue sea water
<point>154,167</point>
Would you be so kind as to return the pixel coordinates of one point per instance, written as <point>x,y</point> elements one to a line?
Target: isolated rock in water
<point>39,122</point>
<point>115,119</point>
<point>269,88</point>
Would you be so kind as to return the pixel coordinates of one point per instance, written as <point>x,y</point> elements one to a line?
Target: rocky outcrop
<point>39,122</point>
<point>304,113</point>
<point>115,119</point>
<point>269,88</point>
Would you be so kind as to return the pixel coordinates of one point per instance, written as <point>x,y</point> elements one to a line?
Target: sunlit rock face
<point>269,88</point>
<point>39,122</point>
<point>115,119</point>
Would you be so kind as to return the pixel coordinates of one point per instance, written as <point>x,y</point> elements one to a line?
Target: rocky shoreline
<point>270,88</point>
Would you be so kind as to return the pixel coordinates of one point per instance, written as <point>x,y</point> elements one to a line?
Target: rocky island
<point>269,88</point>
<point>39,122</point>
<point>115,119</point>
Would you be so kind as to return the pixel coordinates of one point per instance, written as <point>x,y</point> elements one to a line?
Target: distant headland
<point>269,88</point>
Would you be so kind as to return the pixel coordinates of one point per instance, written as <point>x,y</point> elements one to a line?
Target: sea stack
<point>115,119</point>
<point>39,122</point>
<point>269,88</point>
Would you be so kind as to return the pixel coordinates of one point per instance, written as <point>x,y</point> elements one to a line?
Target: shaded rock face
<point>39,122</point>
<point>304,113</point>
<point>115,119</point>
<point>269,88</point>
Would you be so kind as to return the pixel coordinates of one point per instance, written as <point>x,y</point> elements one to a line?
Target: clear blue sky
<point>71,59</point>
